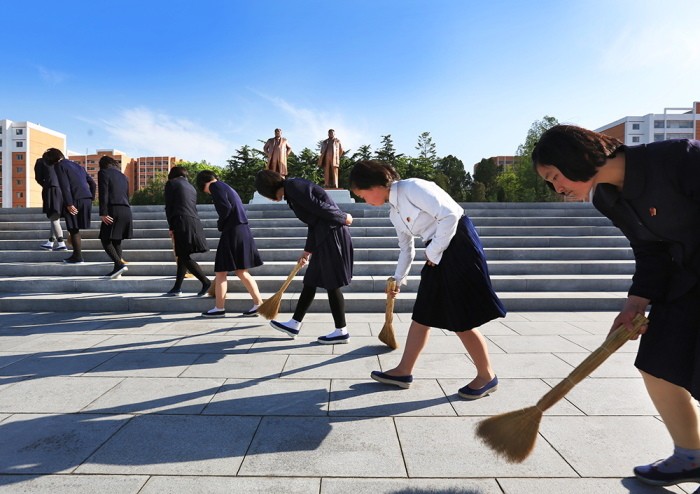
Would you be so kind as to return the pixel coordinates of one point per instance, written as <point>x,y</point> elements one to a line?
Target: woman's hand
<point>392,293</point>
<point>304,259</point>
<point>72,209</point>
<point>107,220</point>
<point>634,305</point>
<point>348,219</point>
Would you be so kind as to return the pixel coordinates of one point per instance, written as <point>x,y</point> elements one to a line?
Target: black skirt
<point>670,349</point>
<point>122,226</point>
<point>236,250</point>
<point>457,294</point>
<point>81,220</point>
<point>52,201</point>
<point>188,236</point>
<point>330,266</point>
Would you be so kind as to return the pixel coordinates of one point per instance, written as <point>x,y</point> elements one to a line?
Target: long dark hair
<point>268,182</point>
<point>370,173</point>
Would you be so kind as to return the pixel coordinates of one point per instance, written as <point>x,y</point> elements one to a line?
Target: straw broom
<point>386,335</point>
<point>513,434</point>
<point>271,307</point>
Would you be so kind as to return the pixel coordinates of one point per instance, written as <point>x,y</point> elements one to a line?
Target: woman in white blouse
<point>455,290</point>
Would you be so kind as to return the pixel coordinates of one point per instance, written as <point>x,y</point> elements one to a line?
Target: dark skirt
<point>457,294</point>
<point>81,220</point>
<point>330,266</point>
<point>52,201</point>
<point>122,227</point>
<point>670,349</point>
<point>236,250</point>
<point>188,236</point>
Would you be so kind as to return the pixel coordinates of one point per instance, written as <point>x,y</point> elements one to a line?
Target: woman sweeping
<point>455,290</point>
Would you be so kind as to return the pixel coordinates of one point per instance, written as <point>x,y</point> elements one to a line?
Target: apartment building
<point>91,162</point>
<point>148,167</point>
<point>21,144</point>
<point>673,123</point>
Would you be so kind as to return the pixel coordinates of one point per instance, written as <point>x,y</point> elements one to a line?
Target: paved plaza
<point>170,402</point>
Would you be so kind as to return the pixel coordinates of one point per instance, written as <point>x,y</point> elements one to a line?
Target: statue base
<point>340,196</point>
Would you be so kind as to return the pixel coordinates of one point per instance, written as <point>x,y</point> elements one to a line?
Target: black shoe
<point>117,272</point>
<point>653,476</point>
<point>250,313</point>
<point>334,340</point>
<point>205,290</point>
<point>474,394</point>
<point>400,381</point>
<point>73,260</point>
<point>173,293</point>
<point>212,313</point>
<point>285,329</point>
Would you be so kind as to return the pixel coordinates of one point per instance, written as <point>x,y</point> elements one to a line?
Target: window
<point>635,139</point>
<point>658,137</point>
<point>20,144</point>
<point>19,132</point>
<point>20,195</point>
<point>0,142</point>
<point>658,124</point>
<point>20,169</point>
<point>19,157</point>
<point>635,126</point>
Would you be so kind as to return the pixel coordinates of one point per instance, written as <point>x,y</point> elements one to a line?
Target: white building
<point>673,123</point>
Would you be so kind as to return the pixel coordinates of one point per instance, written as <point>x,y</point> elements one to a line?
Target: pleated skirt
<point>188,236</point>
<point>236,250</point>
<point>122,227</point>
<point>80,221</point>
<point>330,266</point>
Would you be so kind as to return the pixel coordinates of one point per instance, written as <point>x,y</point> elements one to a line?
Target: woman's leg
<point>77,243</point>
<point>475,343</point>
<point>416,340</point>
<point>250,284</point>
<point>108,246</point>
<point>179,275</point>
<point>307,295</point>
<point>337,303</point>
<point>221,283</point>
<point>56,230</point>
<point>194,268</point>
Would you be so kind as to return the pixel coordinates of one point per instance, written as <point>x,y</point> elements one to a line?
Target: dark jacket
<point>113,189</point>
<point>228,204</point>
<point>311,204</point>
<point>51,197</point>
<point>658,210</point>
<point>45,175</point>
<point>74,181</point>
<point>180,199</point>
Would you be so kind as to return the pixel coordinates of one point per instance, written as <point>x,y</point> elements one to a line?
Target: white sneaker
<point>48,245</point>
<point>60,246</point>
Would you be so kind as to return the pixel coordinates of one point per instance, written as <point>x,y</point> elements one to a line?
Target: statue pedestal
<point>340,196</point>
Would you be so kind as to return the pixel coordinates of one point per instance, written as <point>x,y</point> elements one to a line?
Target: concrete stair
<point>542,257</point>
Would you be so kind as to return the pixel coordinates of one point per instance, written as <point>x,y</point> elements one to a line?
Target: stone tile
<point>228,485</point>
<point>271,397</point>
<point>363,345</point>
<point>8,343</point>
<point>616,365</point>
<point>134,324</point>
<point>351,398</point>
<point>321,446</point>
<point>591,342</point>
<point>350,366</point>
<point>529,365</point>
<point>535,344</point>
<point>56,343</point>
<point>282,345</point>
<point>433,365</point>
<point>133,342</point>
<point>611,396</point>
<point>145,364</point>
<point>512,394</point>
<point>7,358</point>
<point>606,446</point>
<point>175,445</point>
<point>544,328</point>
<point>54,394</point>
<point>580,486</point>
<point>549,317</point>
<point>409,486</point>
<point>237,366</point>
<point>136,395</point>
<point>55,365</point>
<point>311,329</point>
<point>497,327</point>
<point>48,444</point>
<point>400,328</point>
<point>73,484</point>
<point>213,344</point>
<point>446,447</point>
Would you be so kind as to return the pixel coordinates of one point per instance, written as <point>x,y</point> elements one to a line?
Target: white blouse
<point>421,208</point>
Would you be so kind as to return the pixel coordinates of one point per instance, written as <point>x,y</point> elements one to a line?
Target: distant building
<point>503,163</point>
<point>91,162</point>
<point>21,144</point>
<point>148,167</point>
<point>673,123</point>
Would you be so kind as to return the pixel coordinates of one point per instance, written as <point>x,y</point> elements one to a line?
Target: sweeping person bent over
<point>236,251</point>
<point>455,290</point>
<point>651,193</point>
<point>328,249</point>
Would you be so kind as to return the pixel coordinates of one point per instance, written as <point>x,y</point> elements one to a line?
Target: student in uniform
<point>115,212</point>
<point>236,251</point>
<point>455,290</point>
<point>328,249</point>
<point>52,203</point>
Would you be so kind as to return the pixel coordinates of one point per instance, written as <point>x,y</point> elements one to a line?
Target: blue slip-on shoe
<point>400,381</point>
<point>173,293</point>
<point>250,313</point>
<point>474,394</point>
<point>285,329</point>
<point>212,313</point>
<point>73,260</point>
<point>650,474</point>
<point>334,340</point>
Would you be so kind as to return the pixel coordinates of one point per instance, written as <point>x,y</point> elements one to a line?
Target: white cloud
<point>144,132</point>
<point>51,76</point>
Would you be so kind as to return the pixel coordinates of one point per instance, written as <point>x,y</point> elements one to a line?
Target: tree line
<point>489,183</point>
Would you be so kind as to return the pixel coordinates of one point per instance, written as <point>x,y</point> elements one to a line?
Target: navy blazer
<point>658,210</point>
<point>75,182</point>
<point>180,199</point>
<point>228,204</point>
<point>45,175</point>
<point>312,205</point>
<point>113,190</point>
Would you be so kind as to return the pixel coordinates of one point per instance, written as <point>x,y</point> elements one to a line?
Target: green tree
<point>152,193</point>
<point>423,166</point>
<point>305,165</point>
<point>193,168</point>
<point>485,172</point>
<point>363,153</point>
<point>387,151</point>
<point>241,170</point>
<point>532,187</point>
<point>451,176</point>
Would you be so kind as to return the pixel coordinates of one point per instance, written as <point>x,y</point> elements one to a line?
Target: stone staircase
<point>542,257</point>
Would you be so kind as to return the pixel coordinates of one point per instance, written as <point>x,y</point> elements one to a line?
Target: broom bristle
<point>513,434</point>
<point>386,336</point>
<point>271,307</point>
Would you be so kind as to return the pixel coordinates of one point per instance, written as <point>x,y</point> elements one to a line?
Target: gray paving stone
<point>132,342</point>
<point>580,486</point>
<point>54,365</point>
<point>72,484</point>
<point>270,397</point>
<point>175,445</point>
<point>351,398</point>
<point>433,365</point>
<point>324,447</point>
<point>591,342</point>
<point>616,365</point>
<point>35,443</point>
<point>54,394</point>
<point>611,396</point>
<point>606,446</point>
<point>228,485</point>
<point>137,395</point>
<point>281,345</point>
<point>215,343</point>
<point>409,486</point>
<point>141,363</point>
<point>535,344</point>
<point>529,365</point>
<point>237,366</point>
<point>351,366</point>
<point>75,342</point>
<point>8,358</point>
<point>446,447</point>
<point>536,328</point>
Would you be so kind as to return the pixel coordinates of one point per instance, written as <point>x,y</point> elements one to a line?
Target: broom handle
<point>290,278</point>
<point>390,286</point>
<point>614,341</point>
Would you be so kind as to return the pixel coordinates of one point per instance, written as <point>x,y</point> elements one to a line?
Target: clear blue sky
<point>198,79</point>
